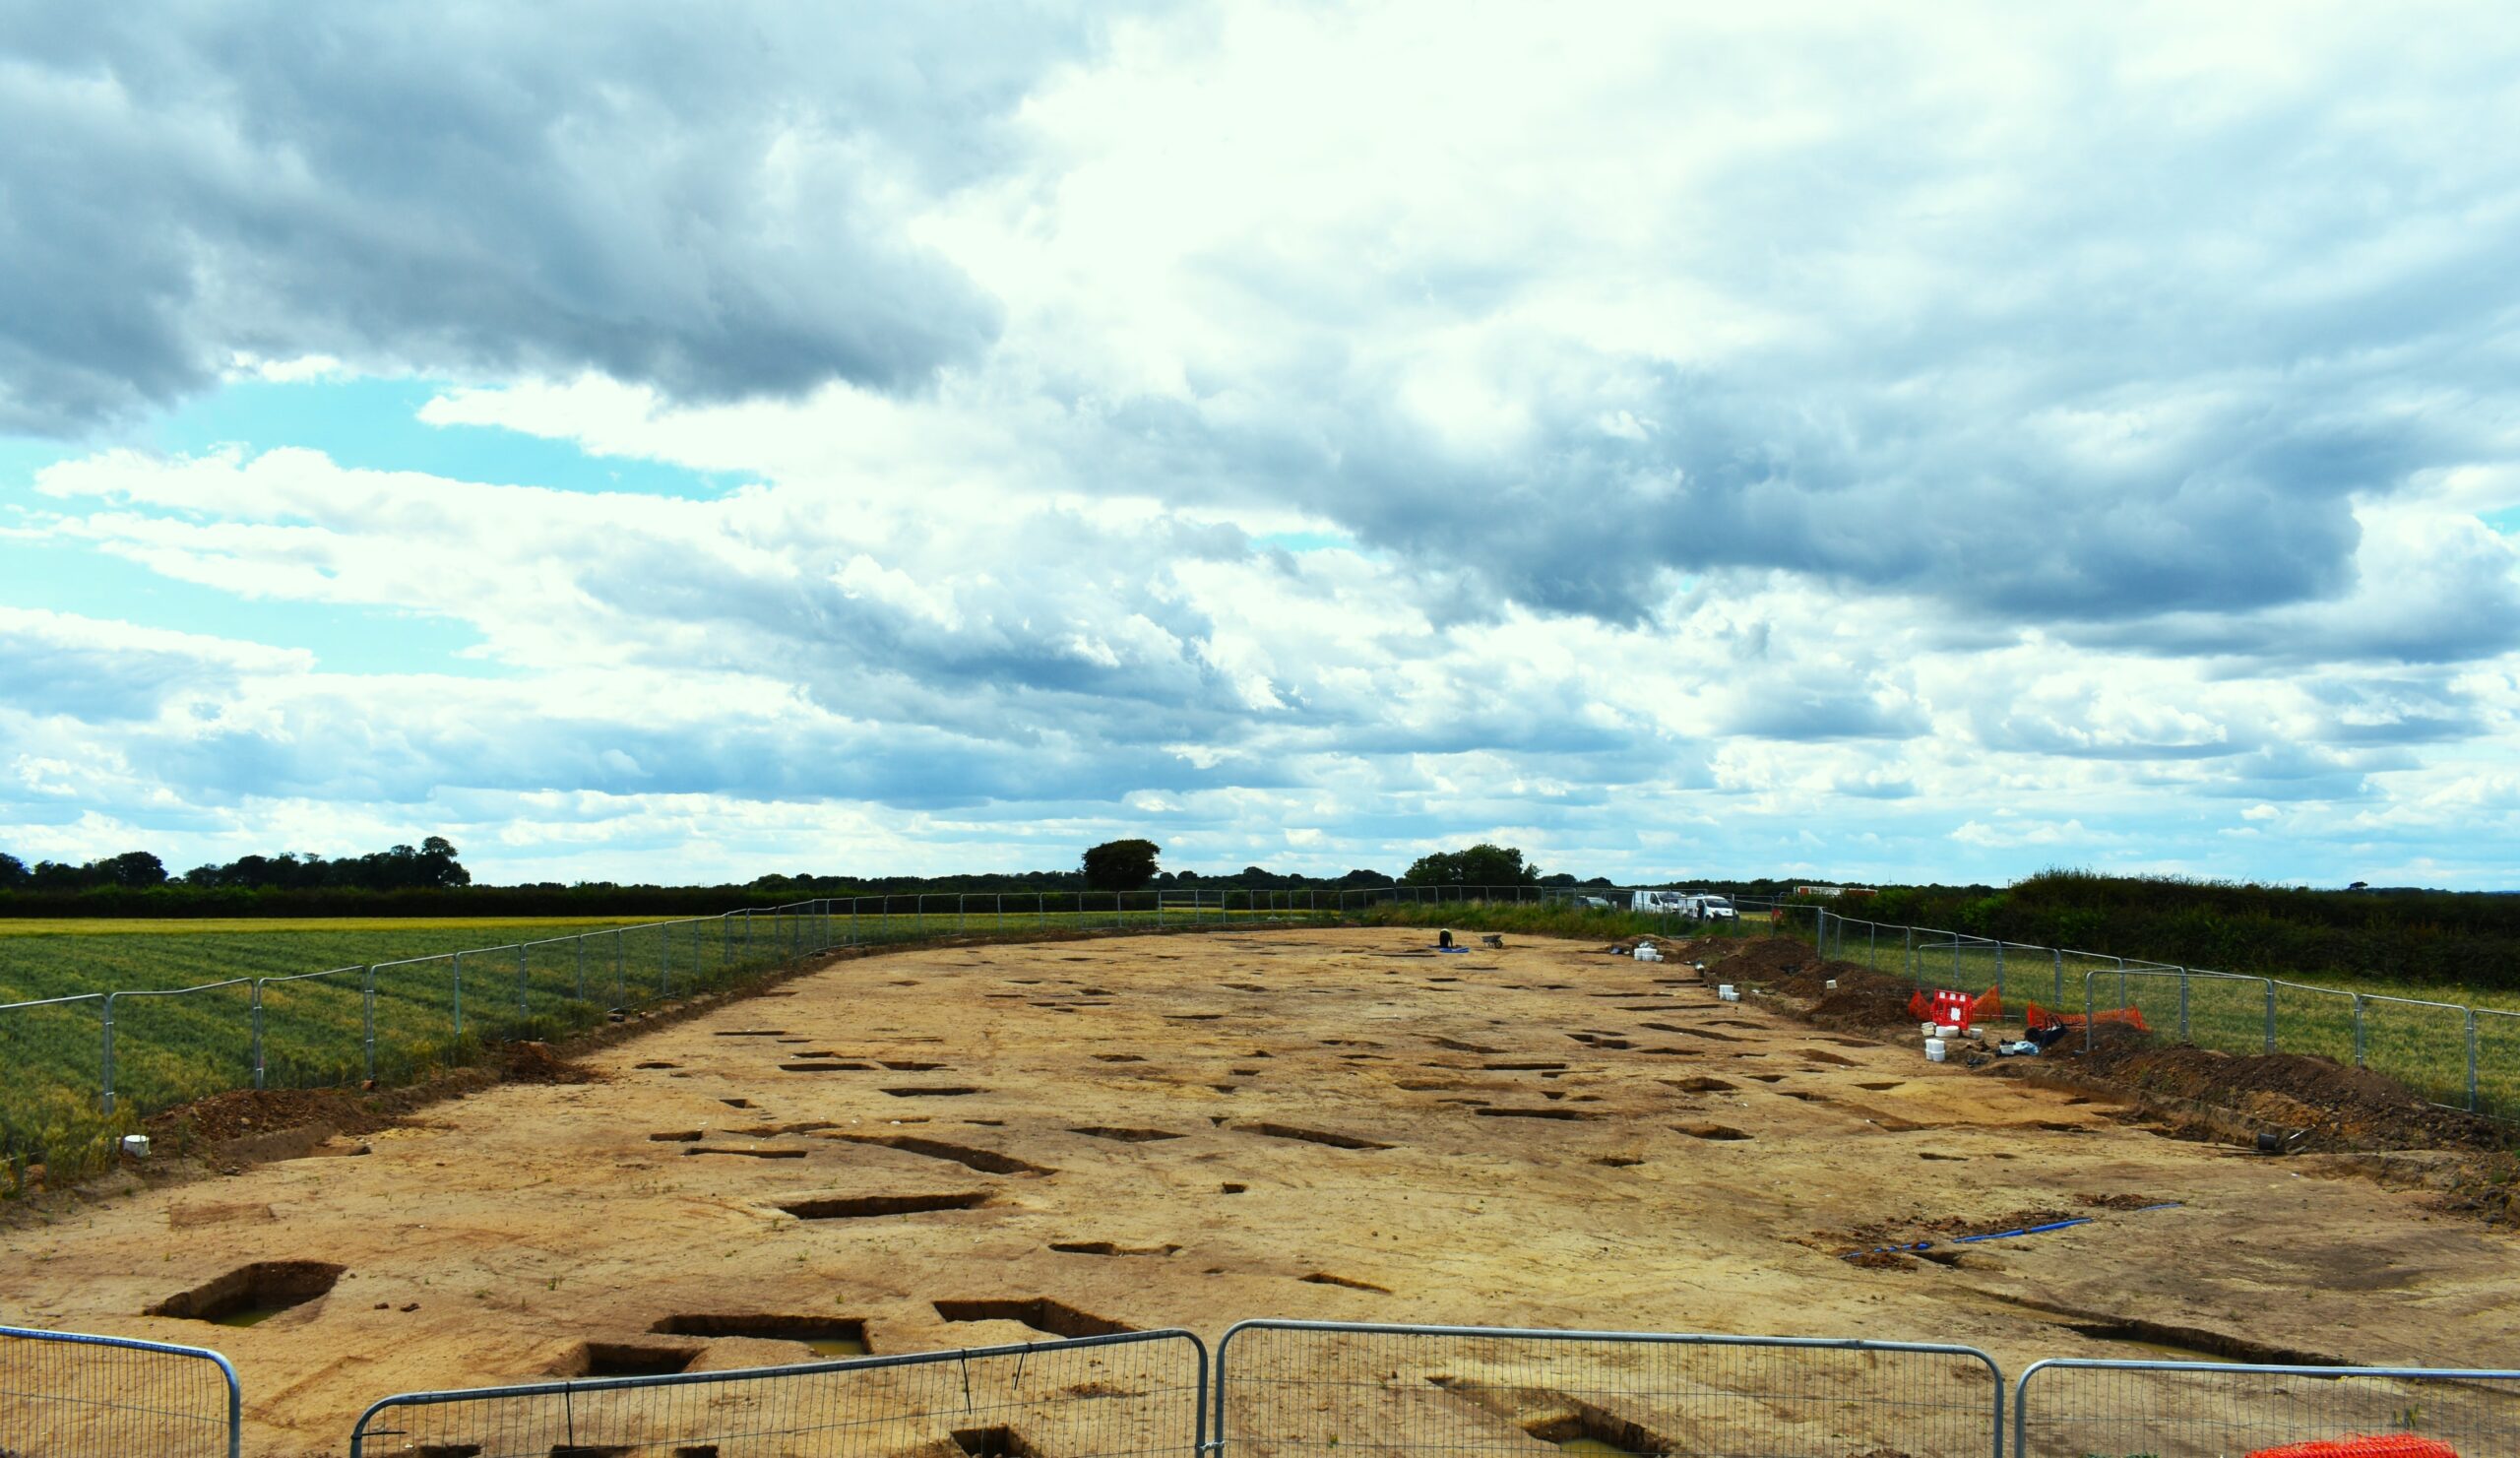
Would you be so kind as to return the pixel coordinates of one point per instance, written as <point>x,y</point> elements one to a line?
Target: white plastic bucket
<point>1935,1050</point>
<point>135,1146</point>
<point>1727,992</point>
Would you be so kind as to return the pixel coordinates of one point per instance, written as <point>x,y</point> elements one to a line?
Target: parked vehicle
<point>1660,903</point>
<point>1713,907</point>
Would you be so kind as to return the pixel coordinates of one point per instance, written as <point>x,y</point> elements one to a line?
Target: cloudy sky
<point>1881,443</point>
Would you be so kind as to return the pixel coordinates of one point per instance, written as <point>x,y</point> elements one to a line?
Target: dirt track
<point>1183,1131</point>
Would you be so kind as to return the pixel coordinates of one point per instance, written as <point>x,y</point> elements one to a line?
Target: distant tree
<point>1121,865</point>
<point>1362,878</point>
<point>135,868</point>
<point>13,871</point>
<point>1482,864</point>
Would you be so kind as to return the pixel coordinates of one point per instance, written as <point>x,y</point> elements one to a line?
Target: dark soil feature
<point>1124,1136</point>
<point>1324,1278</point>
<point>535,1062</point>
<point>866,1207</point>
<point>1312,1136</point>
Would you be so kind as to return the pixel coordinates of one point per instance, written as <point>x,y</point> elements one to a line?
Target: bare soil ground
<point>971,1145</point>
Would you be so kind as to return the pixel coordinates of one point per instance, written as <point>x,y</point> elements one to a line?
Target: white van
<point>1659,903</point>
<point>1713,907</point>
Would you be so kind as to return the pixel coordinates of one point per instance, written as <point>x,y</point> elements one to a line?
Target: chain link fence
<point>2452,1054</point>
<point>1137,1395</point>
<point>1288,1387</point>
<point>2077,1409</point>
<point>70,1395</point>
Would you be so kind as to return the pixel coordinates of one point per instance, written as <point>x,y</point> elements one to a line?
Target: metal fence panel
<point>70,1395</point>
<point>311,1029</point>
<point>1285,1387</point>
<point>2075,1408</point>
<point>1135,1395</point>
<point>2421,1045</point>
<point>2498,1063</point>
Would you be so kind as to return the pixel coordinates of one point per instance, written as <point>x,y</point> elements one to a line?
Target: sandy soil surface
<point>966,1146</point>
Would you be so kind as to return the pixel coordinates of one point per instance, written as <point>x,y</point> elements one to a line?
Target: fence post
<point>2058,954</point>
<point>1908,954</point>
<point>2089,1013</point>
<point>459,996</point>
<point>523,1009</point>
<point>106,1058</point>
<point>2358,1030</point>
<point>664,961</point>
<point>2472,1060</point>
<point>367,1018</point>
<point>581,940</point>
<point>2270,1015</point>
<point>257,1005</point>
<point>1999,969</point>
<point>620,972</point>
<point>2121,983</point>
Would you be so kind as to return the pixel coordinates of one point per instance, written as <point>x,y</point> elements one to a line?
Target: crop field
<point>2405,1031</point>
<point>971,1145</point>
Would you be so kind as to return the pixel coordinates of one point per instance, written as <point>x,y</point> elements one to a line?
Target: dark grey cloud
<point>702,198</point>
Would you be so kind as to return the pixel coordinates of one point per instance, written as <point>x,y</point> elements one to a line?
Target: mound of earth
<point>246,1111</point>
<point>535,1062</point>
<point>2333,1100</point>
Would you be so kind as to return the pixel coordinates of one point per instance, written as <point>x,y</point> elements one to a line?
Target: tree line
<point>2446,938</point>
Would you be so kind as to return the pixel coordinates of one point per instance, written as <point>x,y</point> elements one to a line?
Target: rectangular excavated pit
<point>829,1336</point>
<point>251,1295</point>
<point>864,1207</point>
<point>995,1441</point>
<point>628,1359</point>
<point>986,1160</point>
<point>1042,1315</point>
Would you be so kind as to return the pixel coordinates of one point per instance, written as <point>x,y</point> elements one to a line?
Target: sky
<point>1859,442</point>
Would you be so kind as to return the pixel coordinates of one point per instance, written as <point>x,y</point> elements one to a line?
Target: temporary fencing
<point>1284,1387</point>
<point>1132,1395</point>
<point>70,1395</point>
<point>2071,1409</point>
<point>1295,1386</point>
<point>2455,1055</point>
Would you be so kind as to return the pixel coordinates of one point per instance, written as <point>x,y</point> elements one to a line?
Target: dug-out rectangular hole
<point>628,1359</point>
<point>863,1207</point>
<point>829,1336</point>
<point>1042,1315</point>
<point>251,1295</point>
<point>994,1441</point>
<point>987,1162</point>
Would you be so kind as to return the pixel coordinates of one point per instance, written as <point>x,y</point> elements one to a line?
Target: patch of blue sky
<point>373,423</point>
<point>2505,520</point>
<point>1306,541</point>
<point>59,575</point>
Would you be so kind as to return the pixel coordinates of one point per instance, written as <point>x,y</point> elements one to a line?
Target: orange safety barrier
<point>2126,1017</point>
<point>2388,1446</point>
<point>1955,1010</point>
